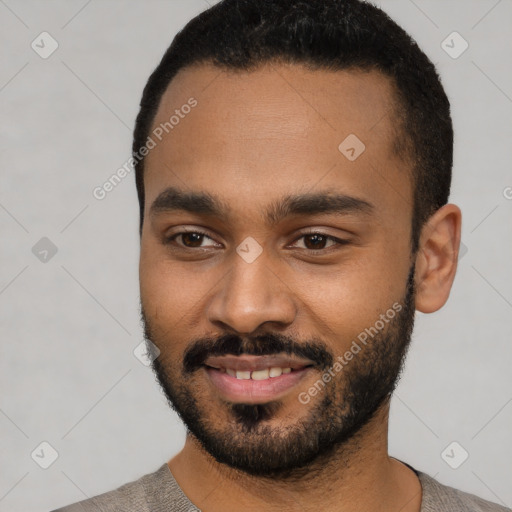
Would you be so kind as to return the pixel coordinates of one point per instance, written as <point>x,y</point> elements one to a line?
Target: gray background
<point>69,325</point>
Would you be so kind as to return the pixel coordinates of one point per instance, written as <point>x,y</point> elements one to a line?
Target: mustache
<point>264,345</point>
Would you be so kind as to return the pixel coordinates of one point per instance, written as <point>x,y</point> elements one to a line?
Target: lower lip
<point>249,391</point>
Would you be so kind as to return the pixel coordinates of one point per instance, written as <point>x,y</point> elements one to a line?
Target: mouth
<point>255,379</point>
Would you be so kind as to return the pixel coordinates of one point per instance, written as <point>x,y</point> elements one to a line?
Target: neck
<point>358,475</point>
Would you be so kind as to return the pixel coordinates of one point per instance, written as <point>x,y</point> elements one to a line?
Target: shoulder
<point>129,497</point>
<point>441,498</point>
<point>151,493</point>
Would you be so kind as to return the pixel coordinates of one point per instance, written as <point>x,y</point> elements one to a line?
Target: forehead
<point>276,128</point>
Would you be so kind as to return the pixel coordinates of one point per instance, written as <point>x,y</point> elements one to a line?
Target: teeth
<point>260,374</point>
<point>274,371</point>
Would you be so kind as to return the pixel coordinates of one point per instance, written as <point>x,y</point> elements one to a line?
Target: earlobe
<point>436,260</point>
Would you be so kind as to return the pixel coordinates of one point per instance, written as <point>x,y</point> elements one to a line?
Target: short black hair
<point>332,35</point>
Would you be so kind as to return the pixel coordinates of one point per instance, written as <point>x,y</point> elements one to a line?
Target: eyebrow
<point>203,203</point>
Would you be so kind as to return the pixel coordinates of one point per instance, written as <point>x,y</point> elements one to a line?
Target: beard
<point>243,436</point>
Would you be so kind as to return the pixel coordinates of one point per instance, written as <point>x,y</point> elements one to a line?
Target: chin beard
<point>249,440</point>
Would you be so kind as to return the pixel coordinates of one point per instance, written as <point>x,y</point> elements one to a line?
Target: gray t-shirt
<point>159,492</point>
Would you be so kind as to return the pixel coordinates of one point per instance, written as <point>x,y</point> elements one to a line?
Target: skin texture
<point>253,138</point>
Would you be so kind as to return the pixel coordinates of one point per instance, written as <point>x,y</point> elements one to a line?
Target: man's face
<point>266,282</point>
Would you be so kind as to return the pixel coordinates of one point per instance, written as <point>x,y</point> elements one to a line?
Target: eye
<point>189,239</point>
<point>316,241</point>
<point>313,241</point>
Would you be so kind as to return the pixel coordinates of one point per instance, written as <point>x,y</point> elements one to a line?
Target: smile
<point>266,373</point>
<point>255,379</point>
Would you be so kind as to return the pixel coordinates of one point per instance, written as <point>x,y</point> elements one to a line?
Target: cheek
<point>343,301</point>
<point>340,306</point>
<point>158,285</point>
<point>162,309</point>
<point>171,292</point>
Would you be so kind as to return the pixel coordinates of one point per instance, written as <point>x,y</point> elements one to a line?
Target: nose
<point>250,295</point>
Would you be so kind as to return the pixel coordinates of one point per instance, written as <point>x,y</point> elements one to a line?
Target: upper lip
<point>254,363</point>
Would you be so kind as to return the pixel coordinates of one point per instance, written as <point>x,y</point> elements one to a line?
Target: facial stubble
<point>248,440</point>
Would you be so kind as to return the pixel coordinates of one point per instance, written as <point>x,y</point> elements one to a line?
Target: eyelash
<point>339,242</point>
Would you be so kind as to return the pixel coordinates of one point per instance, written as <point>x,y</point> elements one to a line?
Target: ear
<point>436,260</point>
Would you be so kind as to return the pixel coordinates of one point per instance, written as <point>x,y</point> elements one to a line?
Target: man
<point>293,164</point>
